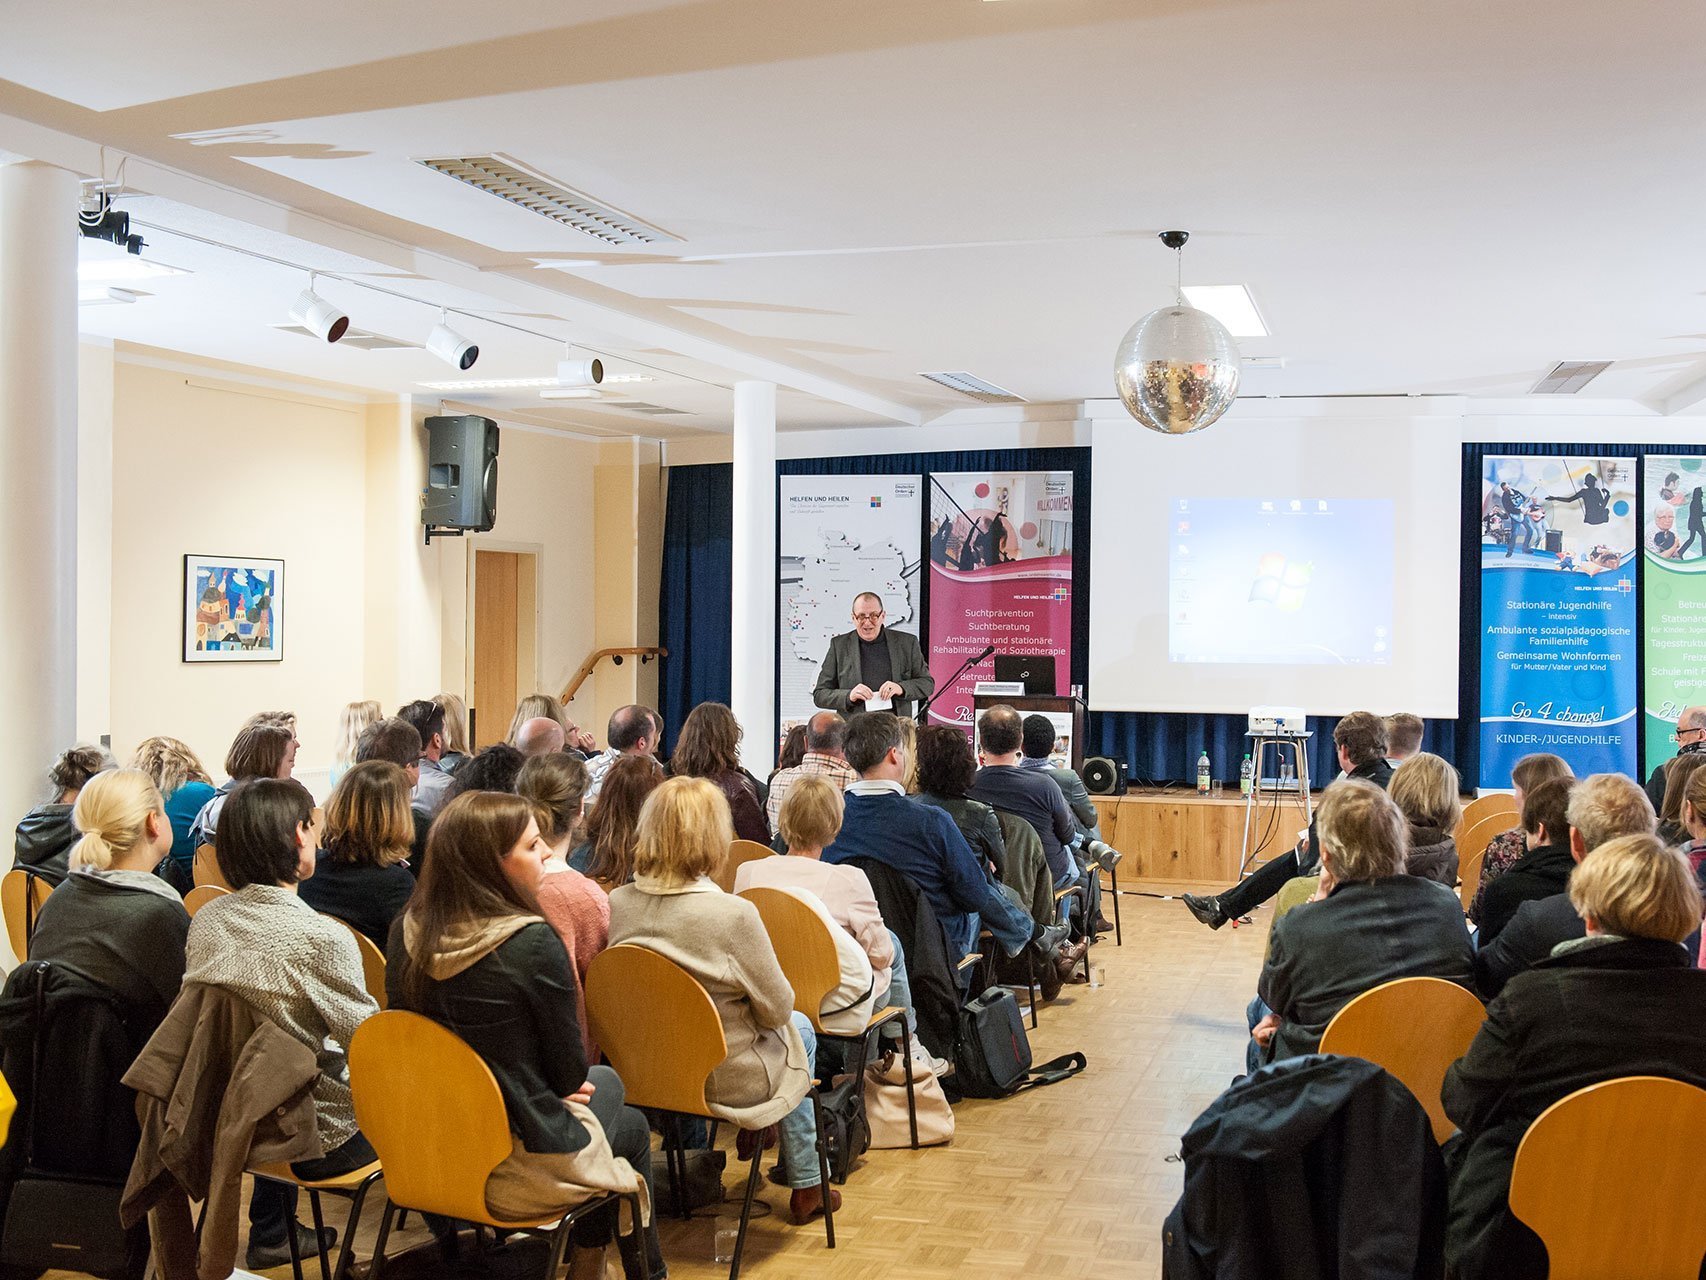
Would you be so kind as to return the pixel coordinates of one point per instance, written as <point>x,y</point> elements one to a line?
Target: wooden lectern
<point>1025,704</point>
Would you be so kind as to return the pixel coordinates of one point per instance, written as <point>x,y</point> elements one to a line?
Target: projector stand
<point>1259,744</point>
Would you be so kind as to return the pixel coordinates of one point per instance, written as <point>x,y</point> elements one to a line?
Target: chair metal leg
<point>378,1264</point>
<point>1033,987</point>
<point>559,1246</point>
<point>1114,877</point>
<point>346,1252</point>
<point>746,1211</point>
<point>911,1097</point>
<point>823,1173</point>
<point>319,1237</point>
<point>295,1246</point>
<point>675,1149</point>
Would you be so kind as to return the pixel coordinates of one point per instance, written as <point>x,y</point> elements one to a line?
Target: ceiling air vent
<point>976,388</point>
<point>640,406</point>
<point>502,177</point>
<point>1570,376</point>
<point>354,337</point>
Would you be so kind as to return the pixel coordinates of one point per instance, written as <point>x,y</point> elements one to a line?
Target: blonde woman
<point>1424,787</point>
<point>112,919</point>
<point>353,721</point>
<point>362,875</point>
<point>184,785</point>
<point>456,750</point>
<point>675,909</point>
<point>909,753</point>
<point>542,706</point>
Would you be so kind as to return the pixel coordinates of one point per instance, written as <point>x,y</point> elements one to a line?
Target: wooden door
<point>496,606</point>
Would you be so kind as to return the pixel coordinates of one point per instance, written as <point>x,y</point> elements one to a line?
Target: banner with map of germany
<point>1000,574</point>
<point>840,535</point>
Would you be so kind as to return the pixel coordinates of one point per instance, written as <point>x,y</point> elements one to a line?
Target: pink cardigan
<point>579,911</point>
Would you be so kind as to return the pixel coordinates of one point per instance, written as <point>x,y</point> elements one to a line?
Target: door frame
<point>537,551</point>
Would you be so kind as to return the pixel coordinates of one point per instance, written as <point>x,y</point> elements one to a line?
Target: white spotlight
<point>318,316</point>
<point>451,347</point>
<point>580,373</point>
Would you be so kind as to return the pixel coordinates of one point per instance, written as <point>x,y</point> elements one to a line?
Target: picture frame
<point>233,609</point>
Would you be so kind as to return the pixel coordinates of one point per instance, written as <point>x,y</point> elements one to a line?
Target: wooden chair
<point>1415,1028</point>
<point>372,963</point>
<point>440,1138</point>
<point>806,952</point>
<point>22,893</point>
<point>660,1031</point>
<point>1486,807</point>
<point>206,868</point>
<point>1476,838</point>
<point>741,851</point>
<point>1063,910</point>
<point>352,1186</point>
<point>1469,878</point>
<point>1609,1179</point>
<point>200,896</point>
<point>1033,980</point>
<point>1112,891</point>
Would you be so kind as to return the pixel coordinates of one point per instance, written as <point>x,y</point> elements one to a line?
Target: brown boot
<point>1070,957</point>
<point>807,1202</point>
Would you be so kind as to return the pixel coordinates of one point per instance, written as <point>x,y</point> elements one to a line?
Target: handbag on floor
<point>992,1053</point>
<point>885,1105</point>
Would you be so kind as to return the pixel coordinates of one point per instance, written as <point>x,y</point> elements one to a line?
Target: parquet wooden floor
<point>1069,1182</point>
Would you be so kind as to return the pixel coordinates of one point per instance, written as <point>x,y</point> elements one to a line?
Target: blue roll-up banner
<point>1558,648</point>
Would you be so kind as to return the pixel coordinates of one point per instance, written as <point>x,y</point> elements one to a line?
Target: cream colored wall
<point>628,518</point>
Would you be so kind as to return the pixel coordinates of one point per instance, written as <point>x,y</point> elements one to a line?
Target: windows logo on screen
<point>1281,583</point>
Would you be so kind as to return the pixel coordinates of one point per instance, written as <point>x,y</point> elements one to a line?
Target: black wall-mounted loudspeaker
<point>462,473</point>
<point>1104,777</point>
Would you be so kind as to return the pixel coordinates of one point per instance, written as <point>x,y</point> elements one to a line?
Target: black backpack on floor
<point>992,1053</point>
<point>846,1132</point>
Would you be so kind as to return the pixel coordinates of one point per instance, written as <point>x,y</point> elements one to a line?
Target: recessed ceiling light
<point>488,384</point>
<point>104,270</point>
<point>1232,305</point>
<point>569,393</point>
<point>100,295</point>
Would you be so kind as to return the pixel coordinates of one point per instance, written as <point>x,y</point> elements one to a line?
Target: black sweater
<point>365,897</point>
<point>128,939</point>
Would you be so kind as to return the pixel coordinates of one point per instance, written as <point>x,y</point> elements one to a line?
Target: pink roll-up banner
<point>1000,574</point>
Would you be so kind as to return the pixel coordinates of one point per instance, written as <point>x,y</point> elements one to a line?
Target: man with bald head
<point>1690,736</point>
<point>633,731</point>
<point>825,733</point>
<point>872,663</point>
<point>539,736</point>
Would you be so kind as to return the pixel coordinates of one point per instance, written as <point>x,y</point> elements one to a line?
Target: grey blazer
<point>839,675</point>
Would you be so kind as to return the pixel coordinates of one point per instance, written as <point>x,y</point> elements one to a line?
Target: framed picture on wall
<point>233,609</point>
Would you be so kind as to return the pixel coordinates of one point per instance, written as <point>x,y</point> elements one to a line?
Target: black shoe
<point>264,1257</point>
<point>1052,936</point>
<point>1207,909</point>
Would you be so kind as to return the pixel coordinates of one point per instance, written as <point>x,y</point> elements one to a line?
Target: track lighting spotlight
<point>450,346</point>
<point>318,316</point>
<point>580,373</point>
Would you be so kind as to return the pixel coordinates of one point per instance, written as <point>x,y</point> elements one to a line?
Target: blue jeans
<point>799,1126</point>
<point>1005,917</point>
<point>1254,1054</point>
<point>900,990</point>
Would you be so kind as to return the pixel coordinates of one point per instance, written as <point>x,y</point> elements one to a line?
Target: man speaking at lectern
<point>872,664</point>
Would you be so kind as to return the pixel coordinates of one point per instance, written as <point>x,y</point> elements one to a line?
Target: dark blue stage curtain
<point>694,594</point>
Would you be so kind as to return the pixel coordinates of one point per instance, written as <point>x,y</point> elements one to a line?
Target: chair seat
<point>350,1181</point>
<point>972,957</point>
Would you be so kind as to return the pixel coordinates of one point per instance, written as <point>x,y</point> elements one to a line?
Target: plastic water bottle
<point>1245,772</point>
<point>1202,774</point>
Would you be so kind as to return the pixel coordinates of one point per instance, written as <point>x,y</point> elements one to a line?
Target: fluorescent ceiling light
<point>120,267</point>
<point>569,393</point>
<point>1232,305</point>
<point>628,377</point>
<point>489,384</point>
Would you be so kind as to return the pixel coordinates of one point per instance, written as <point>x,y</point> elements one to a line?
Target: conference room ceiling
<point>1422,199</point>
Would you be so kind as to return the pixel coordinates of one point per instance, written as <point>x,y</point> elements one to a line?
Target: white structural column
<point>753,594</point>
<point>38,477</point>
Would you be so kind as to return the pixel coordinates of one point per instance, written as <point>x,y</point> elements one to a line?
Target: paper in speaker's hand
<point>879,704</point>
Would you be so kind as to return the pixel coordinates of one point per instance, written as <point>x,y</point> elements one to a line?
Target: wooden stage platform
<point>1182,838</point>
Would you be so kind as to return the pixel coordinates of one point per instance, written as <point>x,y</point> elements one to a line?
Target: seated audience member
<point>1601,808</point>
<point>292,966</point>
<point>709,748</point>
<point>1424,787</point>
<point>1694,823</point>
<point>575,908</point>
<point>1036,756</point>
<point>922,843</point>
<point>183,783</point>
<point>455,731</point>
<point>539,736</point>
<point>362,875</point>
<point>46,833</point>
<point>1373,924</point>
<point>1505,848</point>
<point>822,737</point>
<point>112,919</point>
<point>1690,739</point>
<point>633,731</point>
<point>674,908</point>
<point>946,768</point>
<point>1403,738</point>
<point>607,853</point>
<point>472,954</point>
<point>1360,741</point>
<point>262,748</point>
<point>1682,770</point>
<point>1619,1001</point>
<point>792,752</point>
<point>543,705</point>
<point>493,769</point>
<point>1545,867</point>
<point>398,742</point>
<point>353,721</point>
<point>432,783</point>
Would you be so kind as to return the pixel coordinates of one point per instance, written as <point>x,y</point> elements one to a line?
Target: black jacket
<point>365,897</point>
<point>127,939</point>
<point>1309,856</point>
<point>45,837</point>
<point>978,824</point>
<point>1432,854</point>
<point>1626,1007</point>
<point>515,1006</point>
<point>1310,1169</point>
<point>1537,927</point>
<point>1539,873</point>
<point>935,987</point>
<point>841,673</point>
<point>1323,955</point>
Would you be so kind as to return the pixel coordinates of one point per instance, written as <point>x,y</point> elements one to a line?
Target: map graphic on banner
<point>1000,574</point>
<point>1557,613</point>
<point>1674,594</point>
<point>840,535</point>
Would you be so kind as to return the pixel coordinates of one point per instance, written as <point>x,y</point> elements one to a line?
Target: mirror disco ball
<point>1177,370</point>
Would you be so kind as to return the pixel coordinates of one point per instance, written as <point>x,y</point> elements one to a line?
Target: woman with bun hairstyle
<point>46,834</point>
<point>185,787</point>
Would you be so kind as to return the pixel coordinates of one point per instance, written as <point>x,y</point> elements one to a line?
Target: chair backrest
<point>21,898</point>
<point>803,946</point>
<point>201,895</point>
<point>1486,807</point>
<point>205,869</point>
<point>1476,838</point>
<point>1609,1179</point>
<point>740,851</point>
<point>372,963</point>
<point>657,1027</point>
<point>440,1137</point>
<point>1415,1028</point>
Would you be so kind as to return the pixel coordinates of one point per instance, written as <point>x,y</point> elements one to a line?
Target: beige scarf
<point>465,944</point>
